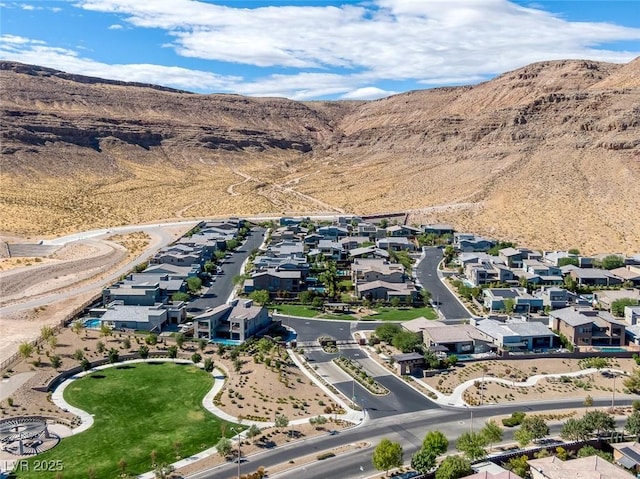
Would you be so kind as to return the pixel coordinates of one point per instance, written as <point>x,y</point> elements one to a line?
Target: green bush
<point>325,455</point>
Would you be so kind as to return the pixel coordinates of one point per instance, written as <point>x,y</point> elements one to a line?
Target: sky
<point>313,49</point>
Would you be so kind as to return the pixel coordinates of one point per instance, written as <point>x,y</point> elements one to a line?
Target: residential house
<point>273,280</point>
<point>353,242</point>
<point>594,277</point>
<point>587,327</point>
<point>140,318</point>
<point>584,467</point>
<point>458,338</point>
<point>547,272</point>
<point>465,258</point>
<point>523,302</point>
<point>332,250</point>
<point>179,255</point>
<point>264,263</point>
<point>554,298</point>
<point>395,244</point>
<point>437,229</point>
<point>486,273</point>
<point>403,230</point>
<point>512,257</point>
<point>238,321</point>
<point>408,363</point>
<point>632,314</point>
<point>606,297</point>
<point>291,249</point>
<point>628,273</point>
<point>366,270</point>
<point>385,291</point>
<point>371,231</point>
<point>333,232</point>
<point>368,252</point>
<point>627,455</point>
<point>288,221</point>
<point>173,271</point>
<point>167,285</point>
<point>132,294</point>
<point>467,242</point>
<point>517,335</point>
<point>311,240</point>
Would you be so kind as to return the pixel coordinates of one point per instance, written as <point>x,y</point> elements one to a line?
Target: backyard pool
<point>92,323</point>
<point>610,349</point>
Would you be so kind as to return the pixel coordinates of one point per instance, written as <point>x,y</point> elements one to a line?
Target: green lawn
<point>297,310</point>
<point>383,314</point>
<point>137,408</point>
<point>402,314</point>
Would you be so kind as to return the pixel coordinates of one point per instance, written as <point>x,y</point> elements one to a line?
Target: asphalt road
<point>408,429</point>
<point>221,288</point>
<point>427,274</point>
<point>312,329</point>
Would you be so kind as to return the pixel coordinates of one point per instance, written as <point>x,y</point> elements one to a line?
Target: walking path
<point>86,419</point>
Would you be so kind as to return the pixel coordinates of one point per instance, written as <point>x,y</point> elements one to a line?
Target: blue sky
<point>313,49</point>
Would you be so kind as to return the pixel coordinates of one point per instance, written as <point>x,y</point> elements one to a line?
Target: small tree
<point>105,330</point>
<point>453,467</point>
<point>523,437</point>
<point>588,402</point>
<point>224,446</point>
<point>387,455</point>
<point>472,445</point>
<point>113,355</point>
<point>633,423</point>
<point>208,365</point>
<point>53,342</point>
<point>202,344</point>
<point>172,352</point>
<point>180,296</point>
<point>151,339</point>
<point>77,326</point>
<point>281,421</point>
<point>194,284</point>
<point>319,421</point>
<point>435,441</point>
<point>519,466</point>
<point>317,303</point>
<point>179,337</point>
<point>196,358</point>
<point>56,361</point>
<point>492,432</point>
<point>406,341</point>
<point>25,350</point>
<point>575,430</point>
<point>100,347</point>
<point>46,332</point>
<point>599,421</point>
<point>85,364</point>
<point>126,343</point>
<point>395,302</point>
<point>253,432</point>
<point>535,426</point>
<point>143,352</point>
<point>423,461</point>
<point>260,296</point>
<point>612,261</point>
<point>78,355</point>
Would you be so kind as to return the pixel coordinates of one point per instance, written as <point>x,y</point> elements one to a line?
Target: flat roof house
<point>587,327</point>
<point>238,321</point>
<point>385,291</point>
<point>458,339</point>
<point>140,318</point>
<point>395,244</point>
<point>518,335</point>
<point>594,277</point>
<point>274,280</point>
<point>366,270</point>
<point>494,300</point>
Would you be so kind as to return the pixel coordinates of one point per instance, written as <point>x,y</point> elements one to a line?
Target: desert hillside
<point>548,154</point>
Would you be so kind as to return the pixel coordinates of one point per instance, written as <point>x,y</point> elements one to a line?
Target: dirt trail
<point>26,283</point>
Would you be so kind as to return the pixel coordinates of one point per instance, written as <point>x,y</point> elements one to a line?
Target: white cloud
<point>367,93</point>
<point>115,26</point>
<point>389,39</point>
<point>36,52</point>
<point>345,51</point>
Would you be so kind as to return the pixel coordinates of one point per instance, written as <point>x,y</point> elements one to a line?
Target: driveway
<point>427,274</point>
<point>221,288</point>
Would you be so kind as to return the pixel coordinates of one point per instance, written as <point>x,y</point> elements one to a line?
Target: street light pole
<point>613,394</point>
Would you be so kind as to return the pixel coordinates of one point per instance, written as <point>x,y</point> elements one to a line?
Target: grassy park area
<point>377,314</point>
<point>137,409</point>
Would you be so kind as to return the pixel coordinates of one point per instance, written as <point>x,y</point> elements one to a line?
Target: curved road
<point>428,275</point>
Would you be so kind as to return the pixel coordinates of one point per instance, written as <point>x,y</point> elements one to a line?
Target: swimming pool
<point>610,349</point>
<point>226,342</point>
<point>92,323</point>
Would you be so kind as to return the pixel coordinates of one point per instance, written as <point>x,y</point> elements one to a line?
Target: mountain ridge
<point>518,157</point>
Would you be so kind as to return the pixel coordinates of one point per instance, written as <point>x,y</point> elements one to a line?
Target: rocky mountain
<point>548,155</point>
